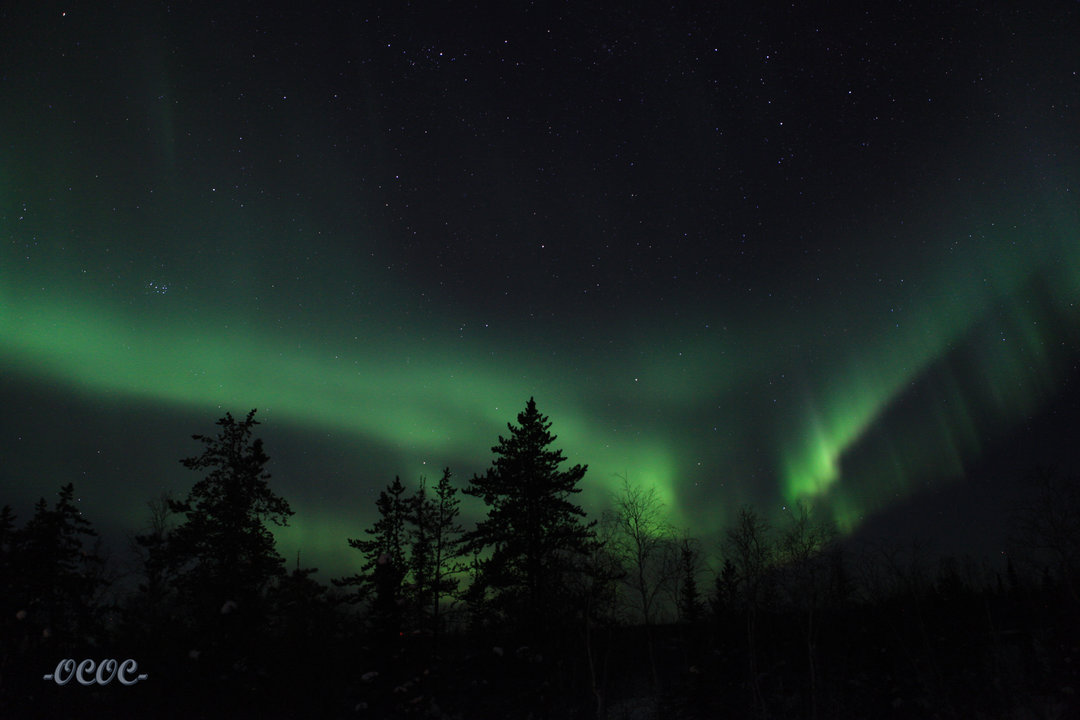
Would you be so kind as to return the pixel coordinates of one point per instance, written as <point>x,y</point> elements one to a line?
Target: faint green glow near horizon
<point>421,404</point>
<point>999,313</point>
<point>422,409</point>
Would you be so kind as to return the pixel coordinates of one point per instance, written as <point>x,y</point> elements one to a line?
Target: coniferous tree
<point>305,629</point>
<point>385,566</point>
<point>691,608</point>
<point>7,558</point>
<point>726,593</point>
<point>222,556</point>
<point>435,548</point>
<point>302,605</point>
<point>151,612</point>
<point>421,553</point>
<point>151,548</point>
<point>385,548</point>
<point>535,534</point>
<point>689,603</point>
<point>51,597</point>
<point>57,574</point>
<point>480,610</point>
<point>726,607</point>
<point>11,616</point>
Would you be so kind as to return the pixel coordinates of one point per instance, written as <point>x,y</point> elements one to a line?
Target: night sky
<point>745,255</point>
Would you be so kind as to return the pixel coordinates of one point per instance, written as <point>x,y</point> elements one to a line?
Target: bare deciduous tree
<point>646,543</point>
<point>803,547</point>
<point>749,548</point>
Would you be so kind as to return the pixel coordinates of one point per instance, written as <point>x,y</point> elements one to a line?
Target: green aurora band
<point>999,315</point>
<point>419,409</point>
<point>980,334</point>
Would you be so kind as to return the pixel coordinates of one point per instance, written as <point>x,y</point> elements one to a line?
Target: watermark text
<point>89,672</point>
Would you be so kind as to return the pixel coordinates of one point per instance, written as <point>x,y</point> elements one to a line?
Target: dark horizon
<point>534,610</point>
<point>969,517</point>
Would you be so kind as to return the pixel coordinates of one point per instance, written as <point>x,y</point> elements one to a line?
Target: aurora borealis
<point>745,256</point>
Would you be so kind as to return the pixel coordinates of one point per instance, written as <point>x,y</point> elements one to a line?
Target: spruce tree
<point>11,615</point>
<point>725,597</point>
<point>435,548</point>
<point>691,607</point>
<point>385,566</point>
<point>421,553</point>
<point>222,556</point>
<point>58,575</point>
<point>8,536</point>
<point>384,548</point>
<point>151,548</point>
<point>534,536</point>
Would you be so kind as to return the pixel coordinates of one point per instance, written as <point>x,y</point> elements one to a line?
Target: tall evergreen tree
<point>435,538</point>
<point>535,534</point>
<point>11,616</point>
<point>8,553</point>
<point>151,548</point>
<point>222,555</point>
<point>384,569</point>
<point>725,597</point>
<point>384,556</point>
<point>52,583</point>
<point>421,552</point>
<point>691,606</point>
<point>305,635</point>
<point>56,575</point>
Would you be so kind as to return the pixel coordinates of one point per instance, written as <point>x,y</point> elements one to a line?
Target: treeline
<point>536,611</point>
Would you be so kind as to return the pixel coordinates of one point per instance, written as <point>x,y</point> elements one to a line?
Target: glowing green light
<point>996,316</point>
<point>976,335</point>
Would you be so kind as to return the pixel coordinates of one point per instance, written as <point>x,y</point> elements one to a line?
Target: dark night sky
<point>746,255</point>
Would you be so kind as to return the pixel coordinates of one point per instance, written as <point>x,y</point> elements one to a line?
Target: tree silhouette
<point>56,575</point>
<point>150,612</point>
<point>645,543</point>
<point>749,547</point>
<point>8,555</point>
<point>435,538</point>
<point>305,626</point>
<point>603,573</point>
<point>222,556</point>
<point>1049,527</point>
<point>535,534</point>
<point>691,606</point>
<point>806,565</point>
<point>151,549</point>
<point>726,590</point>
<point>385,548</point>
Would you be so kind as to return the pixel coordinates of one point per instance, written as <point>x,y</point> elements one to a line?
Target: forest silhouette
<point>536,611</point>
